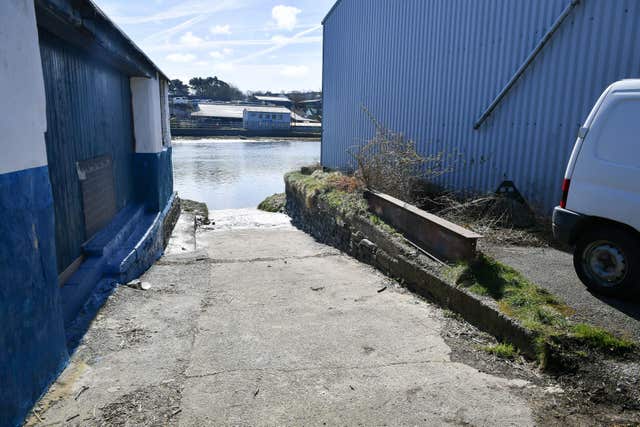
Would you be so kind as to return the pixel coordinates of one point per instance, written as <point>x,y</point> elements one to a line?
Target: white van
<point>600,209</point>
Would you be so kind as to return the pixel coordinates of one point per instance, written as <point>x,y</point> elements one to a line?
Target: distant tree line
<point>207,87</point>
<point>219,90</point>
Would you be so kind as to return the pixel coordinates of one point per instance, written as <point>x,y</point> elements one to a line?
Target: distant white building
<point>222,114</point>
<point>280,100</point>
<point>259,117</point>
<point>181,100</point>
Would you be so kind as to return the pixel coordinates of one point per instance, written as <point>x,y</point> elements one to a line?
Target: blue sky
<point>254,44</point>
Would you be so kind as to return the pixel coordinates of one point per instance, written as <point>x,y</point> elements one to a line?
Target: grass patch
<point>273,203</point>
<point>337,191</point>
<point>503,350</point>
<point>535,308</point>
<point>517,297</point>
<point>601,339</point>
<point>309,183</point>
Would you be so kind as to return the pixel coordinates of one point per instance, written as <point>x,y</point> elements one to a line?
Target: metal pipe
<point>567,10</point>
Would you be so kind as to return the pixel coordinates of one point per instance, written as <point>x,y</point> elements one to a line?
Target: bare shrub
<point>499,219</point>
<point>390,163</point>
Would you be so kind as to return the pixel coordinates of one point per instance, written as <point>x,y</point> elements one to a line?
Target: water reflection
<point>228,174</point>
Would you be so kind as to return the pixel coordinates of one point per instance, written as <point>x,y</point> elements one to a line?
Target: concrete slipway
<point>254,323</point>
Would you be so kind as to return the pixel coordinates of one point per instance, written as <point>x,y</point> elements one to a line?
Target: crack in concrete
<point>206,260</point>
<point>320,368</point>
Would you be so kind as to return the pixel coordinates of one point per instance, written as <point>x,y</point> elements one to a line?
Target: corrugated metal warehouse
<point>505,83</point>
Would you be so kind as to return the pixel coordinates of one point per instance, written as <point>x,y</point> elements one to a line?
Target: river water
<point>233,173</point>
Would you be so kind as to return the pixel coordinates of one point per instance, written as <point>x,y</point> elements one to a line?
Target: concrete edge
<point>171,216</point>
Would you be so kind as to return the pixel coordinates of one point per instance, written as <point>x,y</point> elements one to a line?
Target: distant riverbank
<point>204,132</point>
<point>199,139</point>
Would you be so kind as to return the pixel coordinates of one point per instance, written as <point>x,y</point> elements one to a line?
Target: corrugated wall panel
<point>88,115</point>
<point>429,68</point>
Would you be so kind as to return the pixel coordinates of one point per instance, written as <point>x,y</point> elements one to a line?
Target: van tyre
<point>607,261</point>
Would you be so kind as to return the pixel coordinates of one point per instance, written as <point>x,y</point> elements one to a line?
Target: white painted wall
<point>23,119</point>
<point>164,93</point>
<point>147,125</point>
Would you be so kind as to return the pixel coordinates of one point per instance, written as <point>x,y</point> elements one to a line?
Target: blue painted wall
<point>154,178</point>
<point>32,338</point>
<point>430,68</point>
<point>88,114</point>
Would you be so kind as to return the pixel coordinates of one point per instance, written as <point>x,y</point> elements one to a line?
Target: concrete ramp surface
<point>265,326</point>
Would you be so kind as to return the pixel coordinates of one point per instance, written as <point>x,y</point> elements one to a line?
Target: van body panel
<point>605,167</point>
<point>586,126</point>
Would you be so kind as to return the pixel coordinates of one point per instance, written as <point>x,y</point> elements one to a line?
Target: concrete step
<point>108,247</point>
<point>113,235</point>
<point>125,255</point>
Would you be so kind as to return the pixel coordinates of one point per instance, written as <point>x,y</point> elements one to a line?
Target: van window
<point>618,137</point>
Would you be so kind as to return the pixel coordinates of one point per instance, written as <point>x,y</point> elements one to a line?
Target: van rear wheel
<point>607,260</point>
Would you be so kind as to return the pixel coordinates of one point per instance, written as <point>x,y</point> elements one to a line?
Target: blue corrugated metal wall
<point>88,114</point>
<point>429,68</point>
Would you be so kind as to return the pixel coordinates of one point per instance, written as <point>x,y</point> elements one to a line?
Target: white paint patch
<point>166,116</point>
<point>23,118</point>
<point>243,219</point>
<point>147,120</point>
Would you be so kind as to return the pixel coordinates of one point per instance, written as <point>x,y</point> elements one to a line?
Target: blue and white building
<point>266,117</point>
<point>86,191</point>
<point>503,83</point>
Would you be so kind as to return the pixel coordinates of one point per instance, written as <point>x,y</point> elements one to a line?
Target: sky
<point>271,45</point>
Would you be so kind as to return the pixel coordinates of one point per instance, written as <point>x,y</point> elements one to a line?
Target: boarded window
<point>98,193</point>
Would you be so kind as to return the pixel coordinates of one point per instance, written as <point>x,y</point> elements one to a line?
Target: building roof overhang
<point>83,24</point>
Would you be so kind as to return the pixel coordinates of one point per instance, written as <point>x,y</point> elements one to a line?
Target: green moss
<point>335,198</point>
<point>273,203</point>
<point>317,181</point>
<point>382,225</point>
<point>503,350</point>
<point>321,186</point>
<point>601,339</point>
<point>192,206</point>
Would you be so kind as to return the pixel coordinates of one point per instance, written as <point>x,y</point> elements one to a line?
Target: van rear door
<point>606,176</point>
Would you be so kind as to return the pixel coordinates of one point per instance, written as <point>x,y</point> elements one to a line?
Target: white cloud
<point>294,70</point>
<point>189,39</point>
<point>221,29</point>
<point>279,39</point>
<point>180,57</point>
<point>274,43</point>
<point>166,33</point>
<point>278,42</point>
<point>286,16</point>
<point>183,9</point>
<point>224,66</point>
<point>219,54</point>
